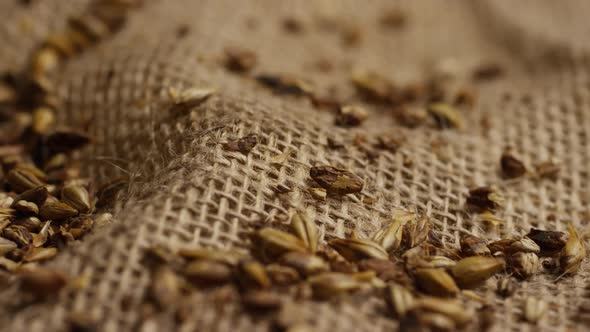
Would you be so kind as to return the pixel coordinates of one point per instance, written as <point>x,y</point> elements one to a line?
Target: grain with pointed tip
<point>358,249</point>
<point>306,230</point>
<point>472,271</point>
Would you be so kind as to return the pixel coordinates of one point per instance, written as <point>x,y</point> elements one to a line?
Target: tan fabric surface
<point>188,190</point>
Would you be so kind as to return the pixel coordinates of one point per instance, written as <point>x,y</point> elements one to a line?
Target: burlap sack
<point>187,190</point>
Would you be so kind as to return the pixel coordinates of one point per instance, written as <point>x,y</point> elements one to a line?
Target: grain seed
<point>473,246</point>
<point>165,287</point>
<point>390,236</point>
<point>76,197</point>
<point>389,143</point>
<point>369,277</point>
<point>358,249</point>
<point>282,275</point>
<point>22,180</point>
<point>411,117</point>
<point>79,226</point>
<point>42,281</point>
<point>18,234</point>
<point>240,60</point>
<point>548,241</point>
<point>328,284</point>
<point>351,116</point>
<point>440,262</point>
<point>264,300</point>
<point>385,269</point>
<point>501,245</point>
<point>525,264</point>
<point>253,275</point>
<point>285,84</point>
<point>400,299</point>
<point>472,271</point>
<point>534,309</point>
<point>157,255</point>
<point>305,263</point>
<point>243,145</point>
<point>33,224</point>
<point>573,253</point>
<point>416,231</point>
<point>336,180</point>
<point>40,254</point>
<point>282,157</point>
<point>26,208</point>
<point>449,307</point>
<point>436,282</point>
<point>32,169</point>
<point>511,166</point>
<point>275,242</point>
<point>56,211</point>
<point>548,169</point>
<point>418,255</point>
<point>208,272</point>
<point>228,257</point>
<point>485,198</point>
<point>446,116</point>
<point>306,230</point>
<point>37,195</point>
<point>471,295</point>
<point>191,96</point>
<point>437,322</point>
<point>525,244</point>
<point>372,86</point>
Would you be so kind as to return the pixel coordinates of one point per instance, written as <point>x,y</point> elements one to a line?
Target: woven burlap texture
<point>187,190</point>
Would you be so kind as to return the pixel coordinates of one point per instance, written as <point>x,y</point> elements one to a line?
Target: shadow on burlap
<point>187,190</point>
